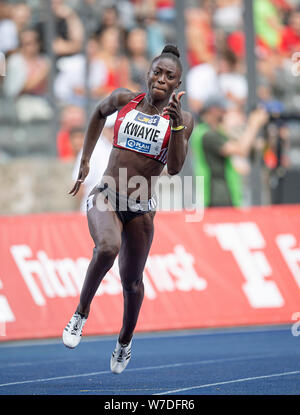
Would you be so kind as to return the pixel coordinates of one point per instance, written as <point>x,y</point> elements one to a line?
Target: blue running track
<point>236,361</point>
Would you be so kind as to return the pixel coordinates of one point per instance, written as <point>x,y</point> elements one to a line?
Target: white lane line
<point>24,382</point>
<point>35,363</point>
<point>109,372</point>
<point>105,372</point>
<point>296,372</point>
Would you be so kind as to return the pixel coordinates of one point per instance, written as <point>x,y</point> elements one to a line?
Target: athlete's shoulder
<point>115,101</point>
<point>122,96</point>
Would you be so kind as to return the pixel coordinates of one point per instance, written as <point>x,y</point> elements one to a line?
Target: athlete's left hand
<point>173,109</point>
<point>83,172</point>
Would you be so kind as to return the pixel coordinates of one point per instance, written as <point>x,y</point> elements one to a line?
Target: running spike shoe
<point>73,331</point>
<point>120,357</point>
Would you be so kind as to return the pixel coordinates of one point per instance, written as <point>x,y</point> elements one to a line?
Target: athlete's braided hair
<point>171,52</point>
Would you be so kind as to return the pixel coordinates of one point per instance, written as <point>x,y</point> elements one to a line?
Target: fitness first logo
<point>147,119</point>
<point>2,64</point>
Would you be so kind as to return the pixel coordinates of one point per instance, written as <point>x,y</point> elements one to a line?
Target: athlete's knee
<point>106,250</point>
<point>135,286</point>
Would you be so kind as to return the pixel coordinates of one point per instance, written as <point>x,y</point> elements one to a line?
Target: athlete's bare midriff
<point>125,164</point>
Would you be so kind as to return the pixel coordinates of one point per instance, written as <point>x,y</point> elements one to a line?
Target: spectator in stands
<point>71,117</point>
<point>275,72</point>
<point>233,84</point>
<point>212,151</point>
<point>110,55</point>
<point>267,22</point>
<point>165,10</point>
<point>22,16</point>
<point>76,136</point>
<point>68,29</point>
<point>201,83</point>
<point>235,41</point>
<point>290,36</point>
<point>126,14</point>
<point>138,62</point>
<point>71,81</point>
<point>27,76</point>
<point>220,77</point>
<point>119,13</point>
<point>13,20</point>
<point>8,29</point>
<point>199,36</point>
<point>156,39</point>
<point>228,15</point>
<point>109,17</point>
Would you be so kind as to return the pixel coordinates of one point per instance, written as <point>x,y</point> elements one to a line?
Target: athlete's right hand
<point>83,172</point>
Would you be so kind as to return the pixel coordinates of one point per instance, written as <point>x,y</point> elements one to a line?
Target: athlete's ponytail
<point>171,52</point>
<point>171,49</point>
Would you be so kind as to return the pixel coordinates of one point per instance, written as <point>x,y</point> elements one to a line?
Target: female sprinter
<point>151,130</point>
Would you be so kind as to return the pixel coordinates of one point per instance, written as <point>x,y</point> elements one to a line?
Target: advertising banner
<point>234,267</point>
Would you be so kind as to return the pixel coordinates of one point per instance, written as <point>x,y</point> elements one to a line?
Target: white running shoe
<point>73,331</point>
<point>120,357</point>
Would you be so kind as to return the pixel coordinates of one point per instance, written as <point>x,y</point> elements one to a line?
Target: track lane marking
<point>168,366</point>
<point>296,372</point>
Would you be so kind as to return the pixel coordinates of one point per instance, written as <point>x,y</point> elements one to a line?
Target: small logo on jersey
<point>147,119</point>
<point>138,146</point>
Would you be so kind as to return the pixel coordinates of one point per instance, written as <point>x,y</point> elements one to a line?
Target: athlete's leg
<point>137,237</point>
<point>105,229</point>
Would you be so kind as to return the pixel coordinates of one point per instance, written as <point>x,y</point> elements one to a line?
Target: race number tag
<point>142,132</point>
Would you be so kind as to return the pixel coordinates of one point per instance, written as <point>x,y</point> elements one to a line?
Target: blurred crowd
<point>100,45</point>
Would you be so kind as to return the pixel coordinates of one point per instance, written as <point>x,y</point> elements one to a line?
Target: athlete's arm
<point>116,100</point>
<point>178,145</point>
